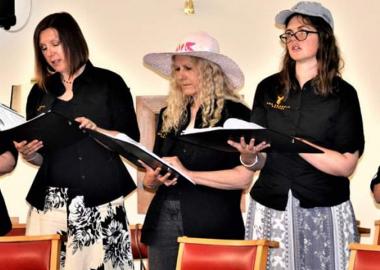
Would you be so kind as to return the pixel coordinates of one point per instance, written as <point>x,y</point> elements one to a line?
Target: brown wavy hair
<point>328,57</point>
<point>73,42</point>
<point>214,90</point>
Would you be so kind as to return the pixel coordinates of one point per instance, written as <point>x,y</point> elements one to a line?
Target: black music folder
<point>233,129</point>
<point>55,130</point>
<point>134,151</point>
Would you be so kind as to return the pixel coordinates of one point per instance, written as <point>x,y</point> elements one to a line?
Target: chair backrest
<point>139,249</point>
<point>362,230</point>
<point>364,257</point>
<point>218,254</point>
<point>17,227</point>
<point>30,252</point>
<point>376,240</point>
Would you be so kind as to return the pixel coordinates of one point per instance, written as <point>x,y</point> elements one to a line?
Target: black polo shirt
<point>86,167</point>
<point>333,122</point>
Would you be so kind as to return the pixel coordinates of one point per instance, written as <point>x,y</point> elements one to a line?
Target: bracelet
<point>249,166</point>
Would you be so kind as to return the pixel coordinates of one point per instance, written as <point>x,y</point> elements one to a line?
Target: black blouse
<point>206,212</point>
<point>333,122</point>
<point>86,167</point>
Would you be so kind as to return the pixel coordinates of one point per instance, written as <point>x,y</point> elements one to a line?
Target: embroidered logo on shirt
<point>278,105</point>
<point>279,100</point>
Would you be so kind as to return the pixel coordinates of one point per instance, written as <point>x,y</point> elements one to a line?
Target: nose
<point>49,51</point>
<point>291,38</point>
<point>181,74</point>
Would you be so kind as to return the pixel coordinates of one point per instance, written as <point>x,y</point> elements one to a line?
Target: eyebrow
<point>300,27</point>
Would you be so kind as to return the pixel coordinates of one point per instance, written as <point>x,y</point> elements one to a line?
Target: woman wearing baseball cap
<point>303,200</point>
<point>203,93</point>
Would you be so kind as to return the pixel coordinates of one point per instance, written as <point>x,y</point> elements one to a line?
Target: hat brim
<point>162,63</point>
<point>282,16</point>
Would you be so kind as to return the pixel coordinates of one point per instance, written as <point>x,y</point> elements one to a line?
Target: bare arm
<point>332,162</point>
<point>7,162</point>
<point>235,178</point>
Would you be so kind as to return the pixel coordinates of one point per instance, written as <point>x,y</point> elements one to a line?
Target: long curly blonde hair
<point>214,89</point>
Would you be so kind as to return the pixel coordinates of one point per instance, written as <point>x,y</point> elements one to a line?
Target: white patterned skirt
<point>310,238</point>
<point>94,238</point>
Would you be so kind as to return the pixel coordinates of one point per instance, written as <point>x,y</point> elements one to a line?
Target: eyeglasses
<point>299,35</point>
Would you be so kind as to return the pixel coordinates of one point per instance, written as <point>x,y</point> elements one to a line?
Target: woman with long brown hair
<point>303,200</point>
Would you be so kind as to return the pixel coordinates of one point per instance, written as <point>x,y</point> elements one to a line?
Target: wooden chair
<point>17,227</point>
<point>30,252</point>
<point>139,250</point>
<point>376,240</point>
<point>218,254</point>
<point>364,257</point>
<point>362,230</point>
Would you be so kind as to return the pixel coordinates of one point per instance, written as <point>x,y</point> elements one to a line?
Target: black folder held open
<point>134,151</point>
<point>233,129</point>
<point>55,130</point>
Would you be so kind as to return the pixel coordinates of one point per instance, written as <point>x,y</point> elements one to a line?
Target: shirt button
<point>80,158</point>
<point>83,177</point>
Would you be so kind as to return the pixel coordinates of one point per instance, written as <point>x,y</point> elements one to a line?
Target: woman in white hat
<point>203,93</point>
<point>303,200</point>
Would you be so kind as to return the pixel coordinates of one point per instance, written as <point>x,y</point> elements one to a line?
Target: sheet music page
<point>9,118</point>
<point>235,123</point>
<point>230,123</point>
<point>124,137</point>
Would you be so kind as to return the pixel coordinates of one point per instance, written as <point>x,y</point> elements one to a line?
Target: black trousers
<point>164,247</point>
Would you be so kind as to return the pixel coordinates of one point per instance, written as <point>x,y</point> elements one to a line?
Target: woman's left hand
<point>248,151</point>
<point>86,123</point>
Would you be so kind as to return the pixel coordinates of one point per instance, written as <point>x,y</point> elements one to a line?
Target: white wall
<point>120,32</point>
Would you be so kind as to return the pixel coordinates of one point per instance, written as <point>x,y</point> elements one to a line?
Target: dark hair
<point>328,57</point>
<point>71,38</point>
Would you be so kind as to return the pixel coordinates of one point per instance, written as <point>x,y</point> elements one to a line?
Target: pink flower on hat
<point>185,47</point>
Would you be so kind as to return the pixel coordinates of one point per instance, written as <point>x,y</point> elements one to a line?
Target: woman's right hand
<point>28,150</point>
<point>153,178</point>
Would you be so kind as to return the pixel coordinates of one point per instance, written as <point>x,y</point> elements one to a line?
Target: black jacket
<point>206,212</point>
<point>86,167</point>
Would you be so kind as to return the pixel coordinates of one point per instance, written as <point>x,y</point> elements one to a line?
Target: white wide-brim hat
<point>200,45</point>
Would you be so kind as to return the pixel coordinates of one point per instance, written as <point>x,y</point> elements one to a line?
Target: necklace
<point>66,81</point>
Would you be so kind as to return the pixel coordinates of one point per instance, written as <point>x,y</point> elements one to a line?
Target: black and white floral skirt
<point>310,239</point>
<point>94,237</point>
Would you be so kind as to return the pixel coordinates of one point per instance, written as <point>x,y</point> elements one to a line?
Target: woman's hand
<point>153,178</point>
<point>86,123</point>
<point>248,152</point>
<point>28,150</point>
<point>176,163</point>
